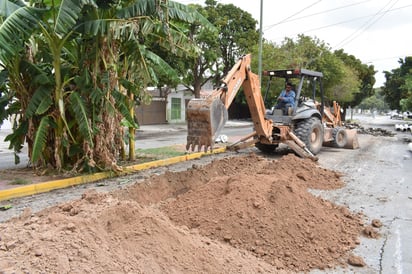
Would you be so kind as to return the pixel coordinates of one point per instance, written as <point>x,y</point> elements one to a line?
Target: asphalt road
<point>378,180</point>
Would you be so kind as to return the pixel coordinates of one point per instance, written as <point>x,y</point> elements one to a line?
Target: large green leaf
<point>39,98</point>
<point>16,140</point>
<point>8,7</point>
<point>81,114</point>
<point>16,30</point>
<point>122,105</point>
<point>40,139</point>
<point>160,65</point>
<point>176,11</point>
<point>138,8</point>
<point>95,27</point>
<point>187,14</point>
<point>44,105</point>
<point>68,14</point>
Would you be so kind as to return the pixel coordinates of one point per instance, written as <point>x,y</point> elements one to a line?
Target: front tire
<point>310,132</point>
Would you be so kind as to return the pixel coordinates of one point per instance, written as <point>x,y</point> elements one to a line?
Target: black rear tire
<point>340,138</point>
<point>310,132</point>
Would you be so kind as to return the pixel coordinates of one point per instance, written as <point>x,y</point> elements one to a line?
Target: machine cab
<point>307,86</point>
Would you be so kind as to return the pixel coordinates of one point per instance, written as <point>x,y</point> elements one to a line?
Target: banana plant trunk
<point>59,103</point>
<point>132,153</point>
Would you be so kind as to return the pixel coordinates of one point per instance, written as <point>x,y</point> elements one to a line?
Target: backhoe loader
<point>302,130</point>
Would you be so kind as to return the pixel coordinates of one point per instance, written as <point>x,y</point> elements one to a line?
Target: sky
<point>377,32</point>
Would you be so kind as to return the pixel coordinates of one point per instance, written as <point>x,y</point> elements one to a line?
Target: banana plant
<point>76,69</point>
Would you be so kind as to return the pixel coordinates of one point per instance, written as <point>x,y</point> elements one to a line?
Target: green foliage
<point>237,33</point>
<point>18,26</point>
<point>233,35</point>
<point>160,153</point>
<point>374,102</point>
<point>16,139</point>
<point>40,102</point>
<point>19,181</point>
<point>406,102</point>
<point>363,73</point>
<point>341,81</point>
<point>398,87</point>
<point>5,97</point>
<point>68,13</point>
<point>40,139</point>
<point>81,113</point>
<point>73,69</point>
<point>123,105</point>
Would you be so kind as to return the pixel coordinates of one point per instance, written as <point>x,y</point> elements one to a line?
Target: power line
<point>367,24</point>
<point>388,58</point>
<point>352,20</point>
<point>313,14</point>
<point>290,16</point>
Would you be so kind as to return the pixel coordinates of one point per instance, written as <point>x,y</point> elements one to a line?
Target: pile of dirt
<point>235,215</point>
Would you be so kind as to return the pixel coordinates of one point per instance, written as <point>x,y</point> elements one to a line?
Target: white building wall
<point>183,94</point>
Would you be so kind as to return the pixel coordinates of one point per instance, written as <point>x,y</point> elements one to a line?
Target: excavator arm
<point>206,117</point>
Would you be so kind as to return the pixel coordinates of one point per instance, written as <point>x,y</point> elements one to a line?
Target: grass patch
<point>160,153</point>
<point>19,181</point>
<point>153,154</point>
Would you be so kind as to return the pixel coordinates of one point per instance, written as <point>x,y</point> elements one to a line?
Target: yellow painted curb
<point>63,183</point>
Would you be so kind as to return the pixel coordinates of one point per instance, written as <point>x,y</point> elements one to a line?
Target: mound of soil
<point>243,214</point>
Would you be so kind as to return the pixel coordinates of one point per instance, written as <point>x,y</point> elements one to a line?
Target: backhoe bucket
<point>352,139</point>
<point>205,119</point>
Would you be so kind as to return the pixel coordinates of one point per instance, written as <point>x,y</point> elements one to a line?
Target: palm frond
<point>139,8</point>
<point>44,105</point>
<point>122,105</point>
<point>15,138</point>
<point>81,113</point>
<point>187,14</point>
<point>40,139</point>
<point>94,27</point>
<point>8,7</point>
<point>149,26</point>
<point>177,42</point>
<point>38,99</point>
<point>16,29</point>
<point>96,95</point>
<point>68,14</point>
<point>160,65</point>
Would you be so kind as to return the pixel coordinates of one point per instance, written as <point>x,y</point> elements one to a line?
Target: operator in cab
<point>286,99</point>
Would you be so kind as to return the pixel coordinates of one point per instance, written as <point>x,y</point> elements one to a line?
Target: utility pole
<point>260,43</point>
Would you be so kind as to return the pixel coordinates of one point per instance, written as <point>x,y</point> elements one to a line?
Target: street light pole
<point>260,44</point>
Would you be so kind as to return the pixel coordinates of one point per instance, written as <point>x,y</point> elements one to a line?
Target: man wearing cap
<point>286,99</point>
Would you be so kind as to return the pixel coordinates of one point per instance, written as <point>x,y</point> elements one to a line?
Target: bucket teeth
<point>196,142</point>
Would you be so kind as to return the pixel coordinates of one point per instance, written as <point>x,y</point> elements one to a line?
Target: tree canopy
<point>398,85</point>
<point>342,81</point>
